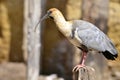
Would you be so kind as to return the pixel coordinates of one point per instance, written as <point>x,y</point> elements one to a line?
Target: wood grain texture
<point>84,73</point>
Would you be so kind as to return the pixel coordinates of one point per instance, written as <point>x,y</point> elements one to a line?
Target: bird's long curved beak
<point>44,17</point>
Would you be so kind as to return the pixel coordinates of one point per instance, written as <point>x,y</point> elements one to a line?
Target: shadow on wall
<point>15,12</point>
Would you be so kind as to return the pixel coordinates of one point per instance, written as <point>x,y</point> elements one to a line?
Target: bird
<point>83,35</point>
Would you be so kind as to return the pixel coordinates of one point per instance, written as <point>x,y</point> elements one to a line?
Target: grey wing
<point>92,39</point>
<point>95,39</point>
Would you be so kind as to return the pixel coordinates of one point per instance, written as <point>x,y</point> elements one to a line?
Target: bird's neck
<point>64,26</point>
<point>60,21</point>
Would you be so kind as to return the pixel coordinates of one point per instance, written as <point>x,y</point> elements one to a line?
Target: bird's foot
<point>77,67</point>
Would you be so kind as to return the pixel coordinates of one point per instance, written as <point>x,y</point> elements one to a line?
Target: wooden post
<point>32,40</point>
<point>84,73</point>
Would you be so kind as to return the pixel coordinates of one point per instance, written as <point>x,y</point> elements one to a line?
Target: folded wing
<point>93,38</point>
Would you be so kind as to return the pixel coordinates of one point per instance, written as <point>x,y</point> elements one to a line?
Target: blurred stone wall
<point>11,30</point>
<point>114,22</point>
<point>5,34</point>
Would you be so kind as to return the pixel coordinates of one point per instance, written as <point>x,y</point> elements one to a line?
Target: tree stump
<point>84,73</point>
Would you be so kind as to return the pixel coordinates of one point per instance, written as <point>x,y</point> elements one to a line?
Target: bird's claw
<point>77,67</point>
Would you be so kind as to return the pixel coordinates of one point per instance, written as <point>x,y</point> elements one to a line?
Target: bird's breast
<point>66,29</point>
<point>75,40</point>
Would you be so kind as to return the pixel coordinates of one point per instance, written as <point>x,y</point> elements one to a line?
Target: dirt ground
<point>17,71</point>
<point>12,71</point>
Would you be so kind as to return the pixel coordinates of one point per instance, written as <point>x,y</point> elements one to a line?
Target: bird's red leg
<point>77,67</point>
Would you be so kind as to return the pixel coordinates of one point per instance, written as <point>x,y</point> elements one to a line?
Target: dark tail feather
<point>109,56</point>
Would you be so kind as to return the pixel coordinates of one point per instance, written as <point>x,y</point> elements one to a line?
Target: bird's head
<point>52,13</point>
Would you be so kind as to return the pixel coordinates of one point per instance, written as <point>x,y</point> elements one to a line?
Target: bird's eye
<point>49,12</point>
